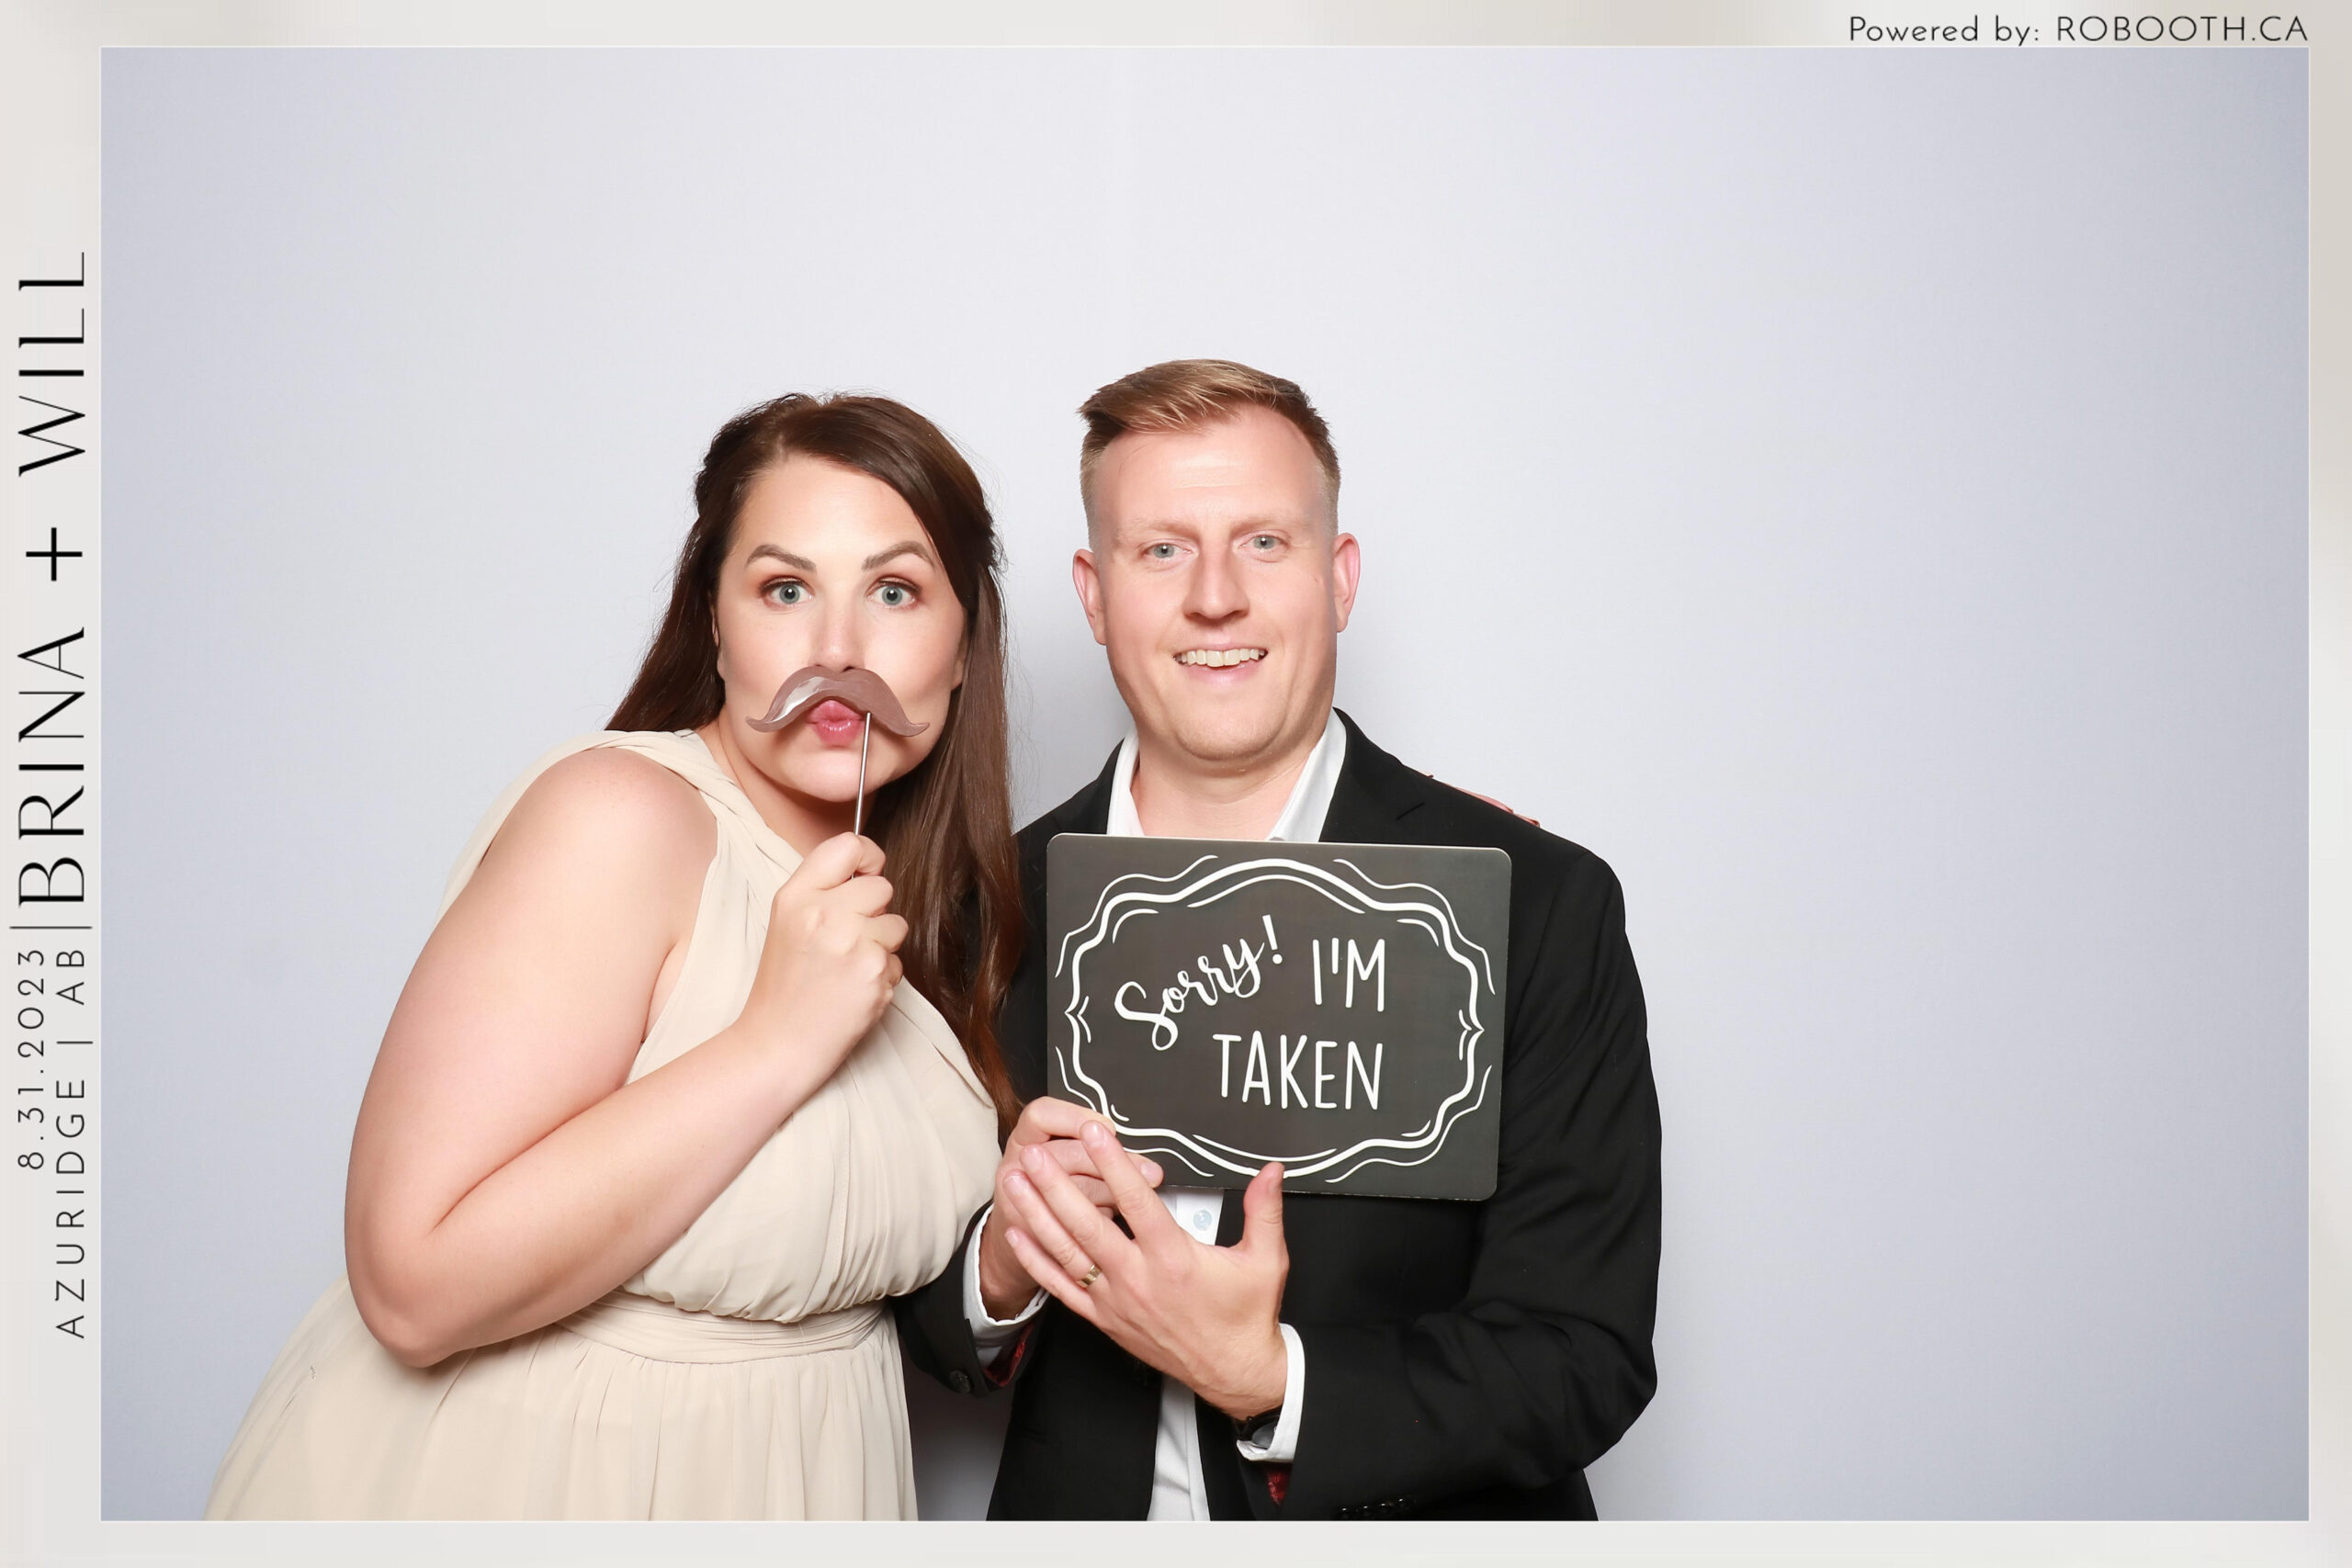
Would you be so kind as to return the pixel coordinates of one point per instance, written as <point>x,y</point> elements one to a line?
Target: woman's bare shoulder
<point>609,818</point>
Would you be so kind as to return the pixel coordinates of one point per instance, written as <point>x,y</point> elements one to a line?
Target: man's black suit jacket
<point>1463,1361</point>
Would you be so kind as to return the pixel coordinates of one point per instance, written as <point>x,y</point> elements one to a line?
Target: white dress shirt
<point>1177,1488</point>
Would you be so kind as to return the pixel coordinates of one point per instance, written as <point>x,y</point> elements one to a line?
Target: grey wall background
<point>1878,478</point>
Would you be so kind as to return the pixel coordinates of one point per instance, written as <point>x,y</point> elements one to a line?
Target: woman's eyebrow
<point>797,563</point>
<point>903,548</point>
<point>802,563</point>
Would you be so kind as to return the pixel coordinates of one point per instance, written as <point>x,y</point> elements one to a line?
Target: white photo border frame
<point>50,1393</point>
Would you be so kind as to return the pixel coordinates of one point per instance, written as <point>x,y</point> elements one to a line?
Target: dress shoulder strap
<point>682,751</point>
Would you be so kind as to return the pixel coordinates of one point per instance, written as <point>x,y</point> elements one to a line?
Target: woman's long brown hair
<point>948,826</point>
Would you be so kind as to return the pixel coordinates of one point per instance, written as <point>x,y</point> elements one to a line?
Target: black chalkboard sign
<point>1335,1007</point>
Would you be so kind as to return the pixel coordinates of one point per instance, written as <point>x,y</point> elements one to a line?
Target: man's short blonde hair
<point>1180,393</point>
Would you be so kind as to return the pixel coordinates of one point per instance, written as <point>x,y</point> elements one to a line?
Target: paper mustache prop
<point>861,691</point>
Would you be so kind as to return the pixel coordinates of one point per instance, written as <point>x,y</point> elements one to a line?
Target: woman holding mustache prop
<point>690,1075</point>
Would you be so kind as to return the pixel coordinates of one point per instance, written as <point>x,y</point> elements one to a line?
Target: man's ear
<point>1087,578</point>
<point>1347,564</point>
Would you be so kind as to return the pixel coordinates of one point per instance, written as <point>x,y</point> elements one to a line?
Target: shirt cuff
<point>1283,1446</point>
<point>991,1335</point>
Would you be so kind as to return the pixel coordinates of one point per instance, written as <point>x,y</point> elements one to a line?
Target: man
<point>1324,1355</point>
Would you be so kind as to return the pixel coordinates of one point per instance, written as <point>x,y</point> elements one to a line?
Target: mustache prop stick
<point>860,690</point>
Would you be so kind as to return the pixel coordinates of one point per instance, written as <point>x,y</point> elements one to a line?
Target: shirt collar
<point>1301,821</point>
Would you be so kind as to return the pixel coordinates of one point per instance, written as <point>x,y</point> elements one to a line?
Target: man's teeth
<point>1218,658</point>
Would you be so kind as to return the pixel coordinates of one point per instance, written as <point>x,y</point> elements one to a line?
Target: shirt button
<point>960,1381</point>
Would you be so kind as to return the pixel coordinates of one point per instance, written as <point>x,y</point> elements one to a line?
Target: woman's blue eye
<point>894,593</point>
<point>788,593</point>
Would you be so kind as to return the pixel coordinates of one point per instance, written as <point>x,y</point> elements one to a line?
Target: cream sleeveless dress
<point>751,1370</point>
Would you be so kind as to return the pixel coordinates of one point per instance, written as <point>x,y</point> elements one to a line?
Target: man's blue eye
<point>1163,552</point>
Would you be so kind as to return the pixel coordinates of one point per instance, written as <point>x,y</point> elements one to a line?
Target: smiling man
<point>1342,1357</point>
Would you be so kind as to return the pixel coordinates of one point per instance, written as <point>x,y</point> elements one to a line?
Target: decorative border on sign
<point>1140,893</point>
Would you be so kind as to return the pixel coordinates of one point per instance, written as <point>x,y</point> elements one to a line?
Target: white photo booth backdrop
<point>1859,494</point>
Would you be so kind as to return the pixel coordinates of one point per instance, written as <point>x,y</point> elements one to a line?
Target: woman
<point>656,1125</point>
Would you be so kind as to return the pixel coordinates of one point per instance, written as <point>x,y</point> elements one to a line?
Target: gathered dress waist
<point>660,1332</point>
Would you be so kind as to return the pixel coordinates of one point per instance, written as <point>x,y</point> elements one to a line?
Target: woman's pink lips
<point>836,723</point>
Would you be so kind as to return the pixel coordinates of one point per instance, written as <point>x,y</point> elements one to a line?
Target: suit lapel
<point>1376,795</point>
<point>1089,811</point>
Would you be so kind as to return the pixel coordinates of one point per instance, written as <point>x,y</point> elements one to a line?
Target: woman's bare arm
<point>504,1173</point>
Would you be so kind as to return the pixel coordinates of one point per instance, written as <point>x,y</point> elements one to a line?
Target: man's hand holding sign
<point>1048,1130</point>
<point>1362,1049</point>
<point>1207,1316</point>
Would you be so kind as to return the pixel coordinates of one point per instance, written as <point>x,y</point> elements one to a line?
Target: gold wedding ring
<point>1093,1272</point>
